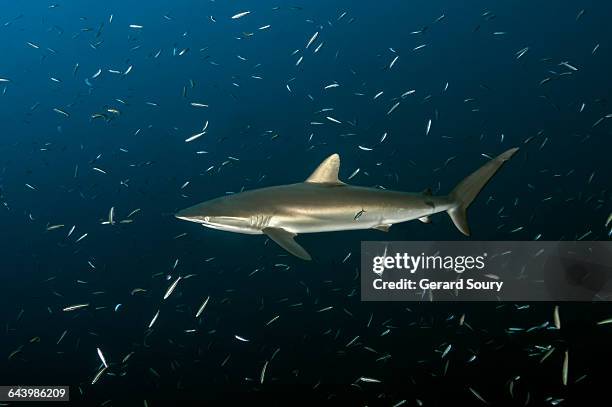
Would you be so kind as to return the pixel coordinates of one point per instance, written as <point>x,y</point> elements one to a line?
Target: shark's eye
<point>206,218</point>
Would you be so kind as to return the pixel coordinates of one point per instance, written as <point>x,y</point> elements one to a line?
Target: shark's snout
<point>187,214</point>
<point>193,214</point>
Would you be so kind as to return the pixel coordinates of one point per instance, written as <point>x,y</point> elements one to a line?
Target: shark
<point>323,203</point>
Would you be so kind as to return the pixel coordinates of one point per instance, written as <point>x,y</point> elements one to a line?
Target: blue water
<point>264,113</point>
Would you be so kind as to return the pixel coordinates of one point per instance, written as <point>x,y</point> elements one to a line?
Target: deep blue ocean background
<point>266,127</point>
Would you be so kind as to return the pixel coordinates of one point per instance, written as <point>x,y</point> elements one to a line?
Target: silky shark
<point>323,203</point>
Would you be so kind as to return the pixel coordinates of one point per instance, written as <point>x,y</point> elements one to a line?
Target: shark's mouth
<point>226,223</point>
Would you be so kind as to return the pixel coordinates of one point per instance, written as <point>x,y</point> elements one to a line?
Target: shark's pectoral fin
<point>382,228</point>
<point>285,240</point>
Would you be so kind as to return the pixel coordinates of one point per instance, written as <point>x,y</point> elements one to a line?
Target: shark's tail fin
<point>468,189</point>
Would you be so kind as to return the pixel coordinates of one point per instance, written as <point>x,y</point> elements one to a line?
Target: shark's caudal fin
<point>468,189</point>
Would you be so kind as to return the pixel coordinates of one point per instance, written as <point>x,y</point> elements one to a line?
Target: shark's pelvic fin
<point>382,228</point>
<point>285,240</point>
<point>468,189</point>
<point>327,171</point>
<point>425,219</point>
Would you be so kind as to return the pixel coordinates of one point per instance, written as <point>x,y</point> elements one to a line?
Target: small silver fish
<point>358,214</point>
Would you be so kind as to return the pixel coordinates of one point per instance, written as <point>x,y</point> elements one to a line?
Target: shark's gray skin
<point>323,203</point>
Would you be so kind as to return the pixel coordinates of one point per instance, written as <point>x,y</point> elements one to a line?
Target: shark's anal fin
<point>285,240</point>
<point>382,228</point>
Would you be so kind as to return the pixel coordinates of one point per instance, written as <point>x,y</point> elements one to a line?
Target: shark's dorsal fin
<point>285,240</point>
<point>327,171</point>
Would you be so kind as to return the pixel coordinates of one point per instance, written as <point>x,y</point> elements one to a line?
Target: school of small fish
<point>142,296</point>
